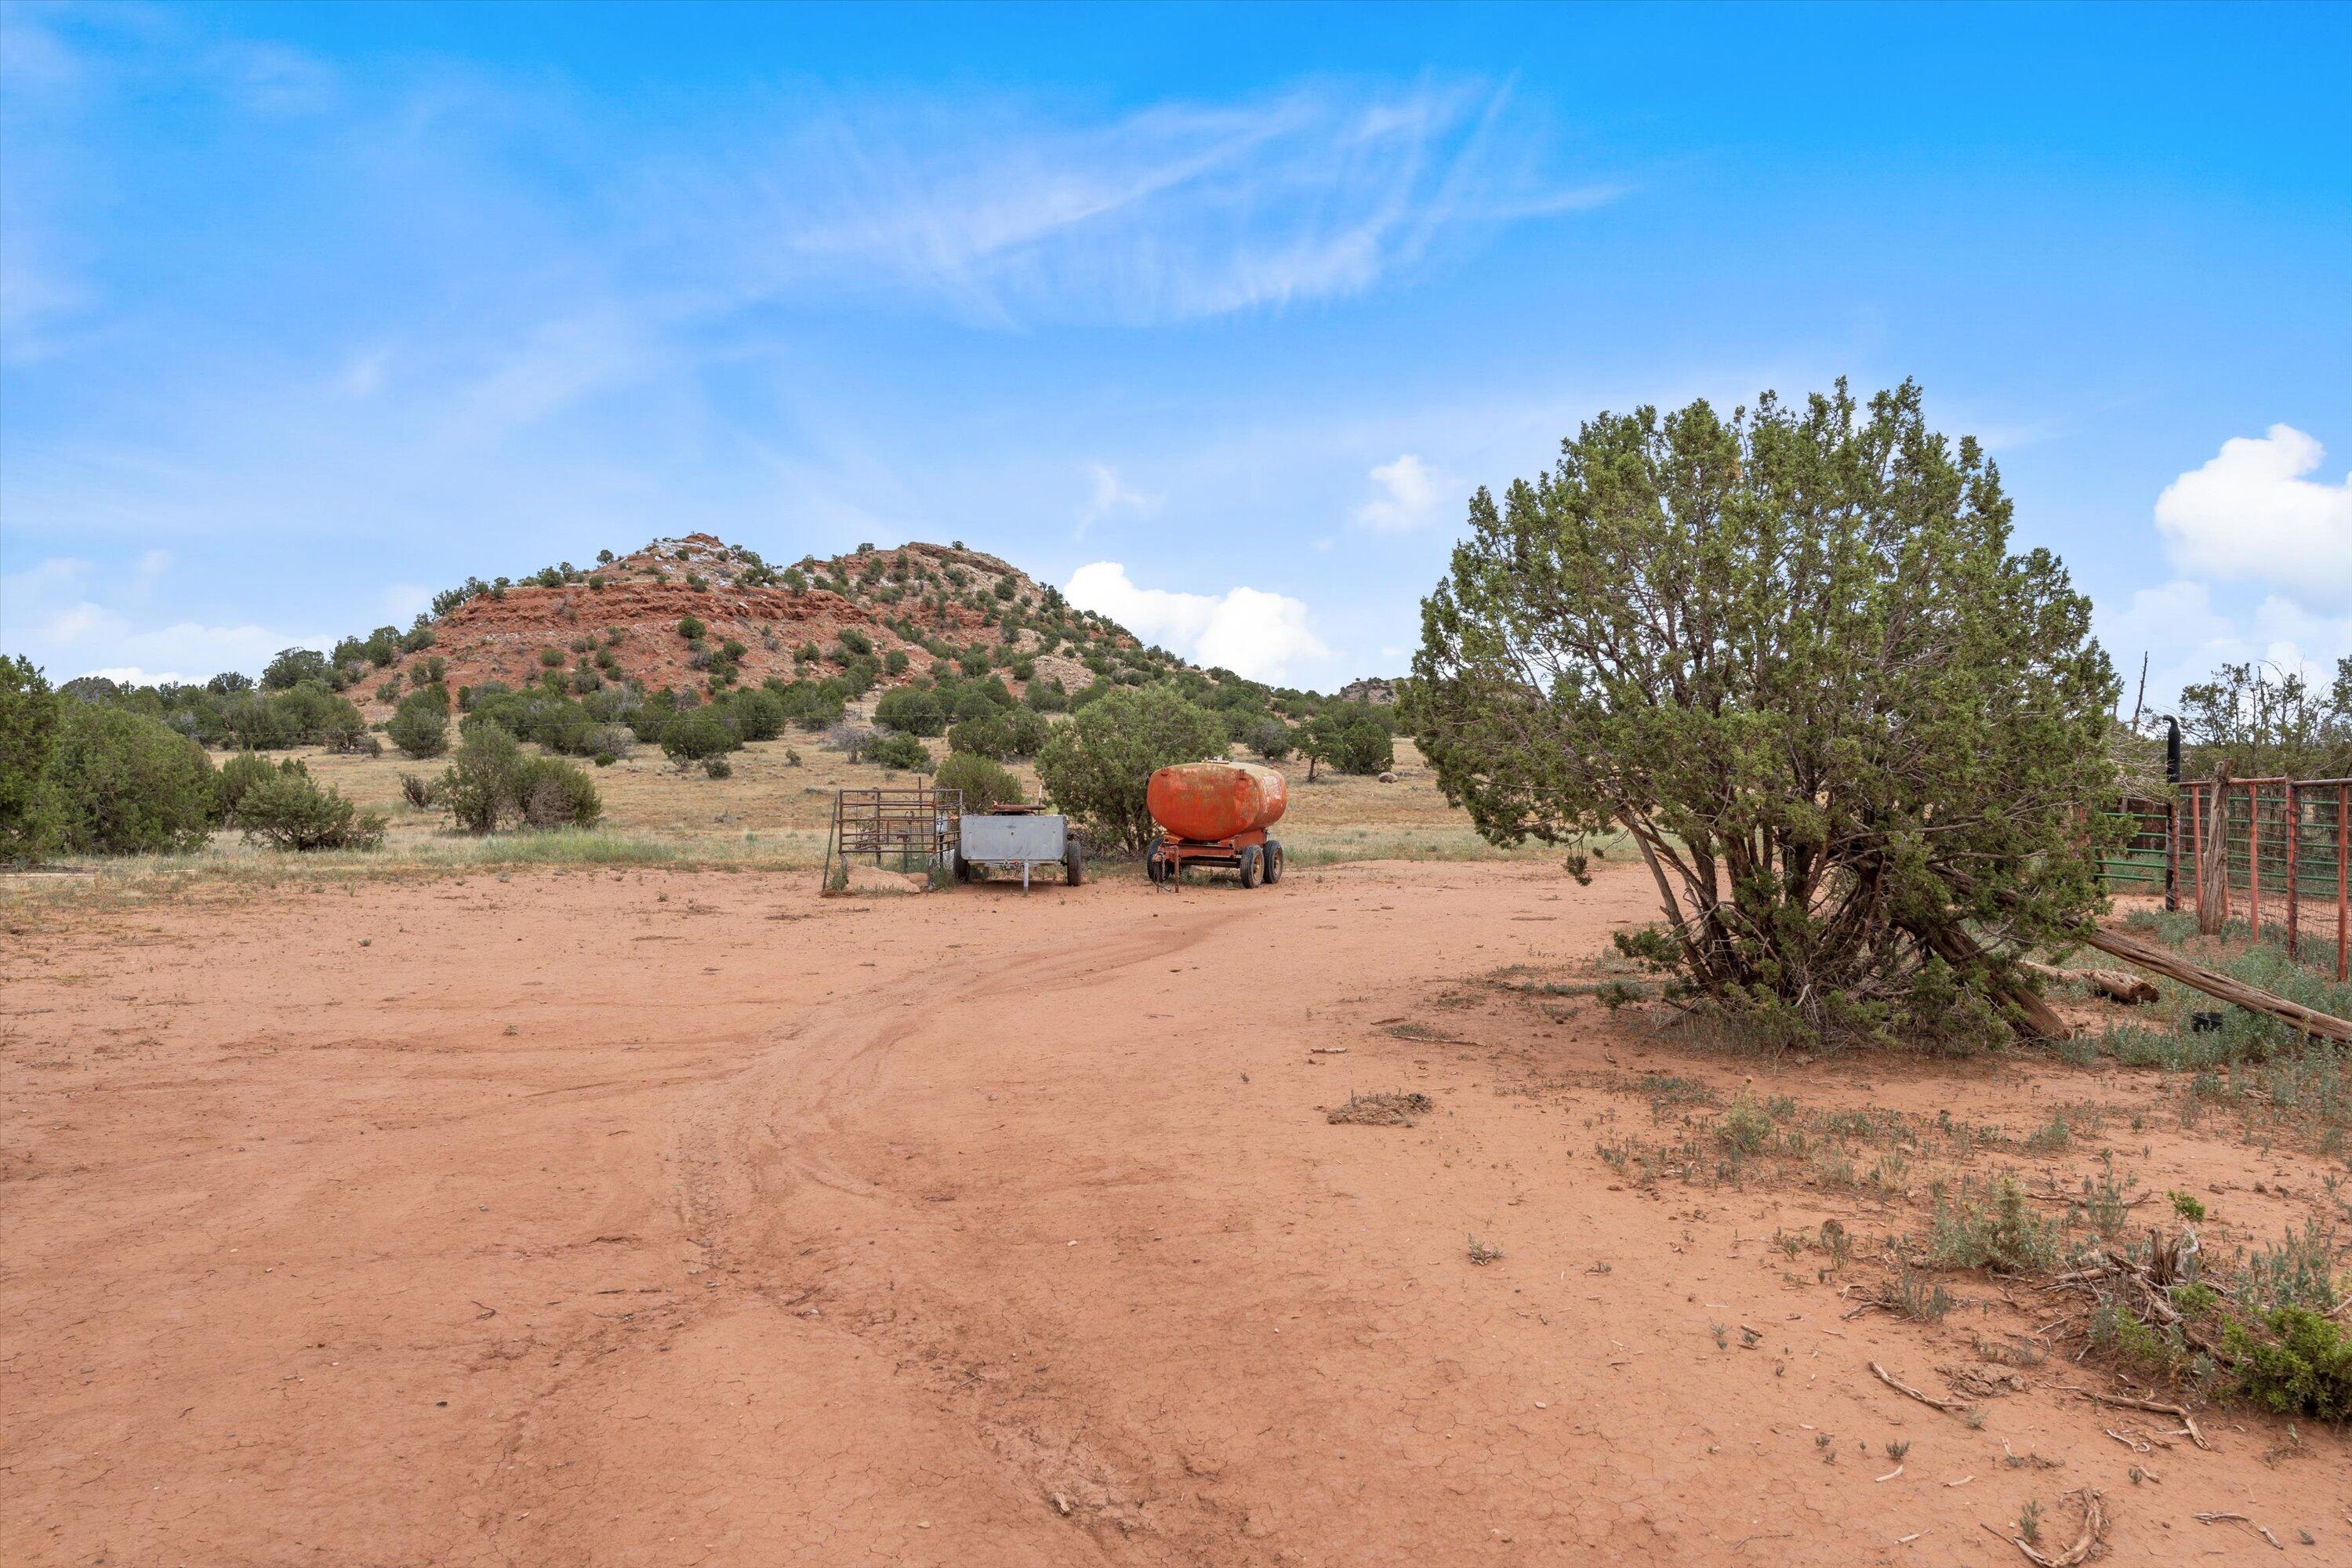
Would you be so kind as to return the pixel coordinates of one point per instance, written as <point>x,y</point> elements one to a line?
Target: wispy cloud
<point>1000,214</point>
<point>1110,496</point>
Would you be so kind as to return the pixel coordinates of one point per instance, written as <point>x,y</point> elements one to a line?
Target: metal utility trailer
<point>1019,837</point>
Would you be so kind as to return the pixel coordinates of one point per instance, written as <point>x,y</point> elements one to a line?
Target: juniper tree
<point>1856,741</point>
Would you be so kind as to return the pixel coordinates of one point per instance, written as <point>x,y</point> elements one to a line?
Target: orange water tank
<point>1215,800</point>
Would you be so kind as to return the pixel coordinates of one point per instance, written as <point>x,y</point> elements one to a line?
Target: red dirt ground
<point>655,1218</point>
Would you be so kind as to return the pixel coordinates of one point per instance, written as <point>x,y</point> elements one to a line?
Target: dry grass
<point>772,814</point>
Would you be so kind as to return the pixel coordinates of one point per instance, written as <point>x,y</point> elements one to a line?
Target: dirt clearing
<point>652,1217</point>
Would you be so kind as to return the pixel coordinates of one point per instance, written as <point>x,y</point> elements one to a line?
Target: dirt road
<point>660,1219</point>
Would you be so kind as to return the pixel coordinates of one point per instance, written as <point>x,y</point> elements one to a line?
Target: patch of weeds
<point>1745,1126</point>
<point>1995,1230</point>
<point>1912,1295</point>
<point>2298,1272</point>
<point>2187,1208</point>
<point>1480,1253</point>
<point>2055,1138</point>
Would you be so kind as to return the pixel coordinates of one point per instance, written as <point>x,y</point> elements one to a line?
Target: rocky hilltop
<point>619,619</point>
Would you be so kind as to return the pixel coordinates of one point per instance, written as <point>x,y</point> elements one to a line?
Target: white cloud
<point>52,619</point>
<point>2186,637</point>
<point>1107,494</point>
<point>1409,496</point>
<point>1246,630</point>
<point>2250,514</point>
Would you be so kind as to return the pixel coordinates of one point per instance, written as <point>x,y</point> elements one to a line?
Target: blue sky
<point>1216,316</point>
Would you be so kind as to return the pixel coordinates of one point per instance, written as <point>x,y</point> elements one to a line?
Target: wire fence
<point>2287,844</point>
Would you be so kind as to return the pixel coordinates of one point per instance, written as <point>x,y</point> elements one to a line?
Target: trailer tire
<point>1074,864</point>
<point>1154,866</point>
<point>1272,861</point>
<point>1249,866</point>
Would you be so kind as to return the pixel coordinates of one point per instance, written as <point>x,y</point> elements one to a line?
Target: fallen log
<point>2172,966</point>
<point>2034,1015</point>
<point>2113,983</point>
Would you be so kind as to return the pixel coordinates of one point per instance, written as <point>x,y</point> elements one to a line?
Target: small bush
<point>900,751</point>
<point>718,768</point>
<point>420,727</point>
<point>239,774</point>
<point>415,788</point>
<point>691,736</point>
<point>757,715</point>
<point>289,811</point>
<point>550,792</point>
<point>482,782</point>
<point>911,711</point>
<point>690,628</point>
<point>552,657</point>
<point>984,782</point>
<point>2301,1365</point>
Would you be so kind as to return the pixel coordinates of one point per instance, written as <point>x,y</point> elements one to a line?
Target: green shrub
<point>855,641</point>
<point>757,715</point>
<point>1047,695</point>
<point>124,784</point>
<point>1268,736</point>
<point>550,657</point>
<point>900,751</point>
<point>239,774</point>
<point>698,734</point>
<point>420,725</point>
<point>293,665</point>
<point>984,782</point>
<point>1010,732</point>
<point>491,782</point>
<point>2301,1366</point>
<point>28,736</point>
<point>289,811</point>
<point>894,661</point>
<point>1096,766</point>
<point>481,782</point>
<point>550,792</point>
<point>911,711</point>
<point>718,768</point>
<point>690,628</point>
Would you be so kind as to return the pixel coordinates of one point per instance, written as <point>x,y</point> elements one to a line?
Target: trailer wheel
<point>1074,864</point>
<point>1249,864</point>
<point>1272,861</point>
<point>1154,866</point>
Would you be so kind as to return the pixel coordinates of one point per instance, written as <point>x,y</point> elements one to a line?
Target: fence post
<point>2293,897</point>
<point>2343,905</point>
<point>2196,844</point>
<point>2254,862</point>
